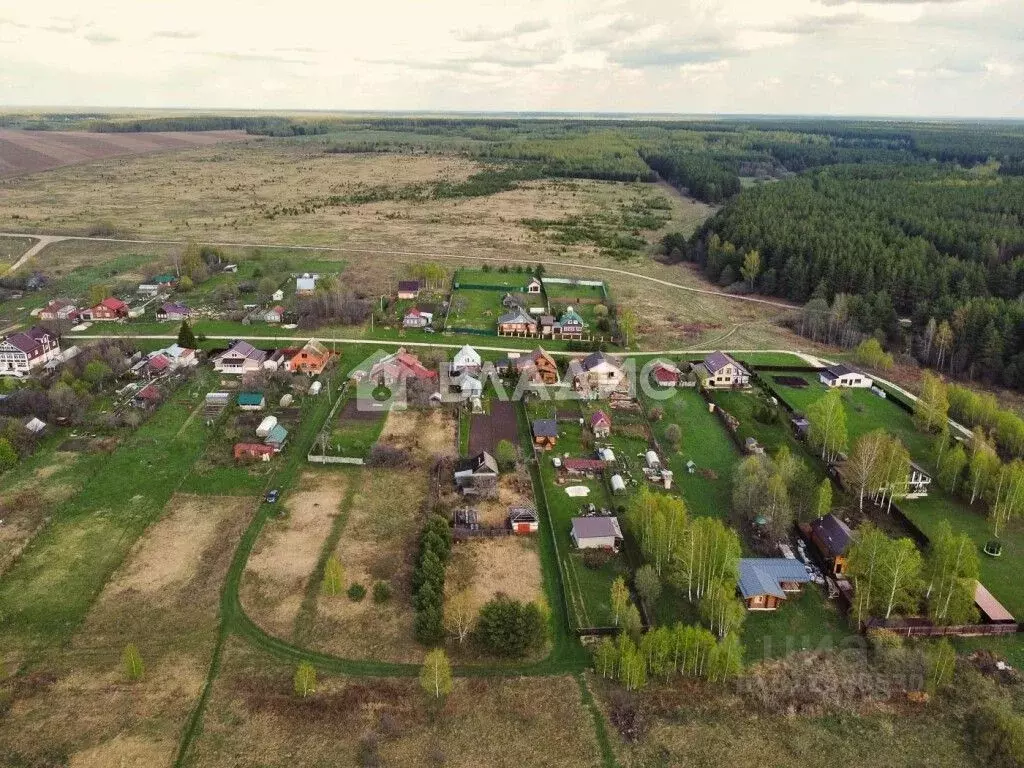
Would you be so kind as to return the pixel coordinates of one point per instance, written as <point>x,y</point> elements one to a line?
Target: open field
<point>696,727</point>
<point>76,707</point>
<point>24,152</point>
<point>424,434</point>
<point>377,543</point>
<point>50,588</point>
<point>501,722</point>
<point>278,572</point>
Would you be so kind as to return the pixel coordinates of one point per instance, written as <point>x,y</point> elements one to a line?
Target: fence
<point>905,629</point>
<point>463,532</point>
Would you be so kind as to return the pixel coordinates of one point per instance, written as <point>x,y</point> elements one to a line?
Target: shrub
<point>507,627</point>
<point>673,434</point>
<point>629,716</point>
<point>381,592</point>
<point>356,592</point>
<point>596,558</point>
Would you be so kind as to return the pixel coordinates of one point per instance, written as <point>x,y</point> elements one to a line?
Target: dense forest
<point>927,242</point>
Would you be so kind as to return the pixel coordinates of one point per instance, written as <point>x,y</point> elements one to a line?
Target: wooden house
<point>765,582</point>
<point>832,538</point>
<point>311,359</point>
<point>59,309</point>
<point>535,286</point>
<point>476,473</point>
<point>538,366</point>
<point>545,433</point>
<point>597,374</point>
<point>517,322</point>
<point>108,309</point>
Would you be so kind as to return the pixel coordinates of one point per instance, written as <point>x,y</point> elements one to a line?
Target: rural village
<point>249,491</point>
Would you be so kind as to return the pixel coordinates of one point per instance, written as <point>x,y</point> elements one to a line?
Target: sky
<point>942,58</point>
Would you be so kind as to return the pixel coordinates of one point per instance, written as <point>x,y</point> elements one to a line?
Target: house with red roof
<point>399,367</point>
<point>665,374</point>
<point>148,397</point>
<point>416,318</point>
<point>311,359</point>
<point>108,309</point>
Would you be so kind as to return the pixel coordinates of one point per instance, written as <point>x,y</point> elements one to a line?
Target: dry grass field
<point>78,708</point>
<point>279,569</point>
<point>509,565</point>
<point>426,434</point>
<point>377,544</point>
<point>254,719</point>
<point>25,152</point>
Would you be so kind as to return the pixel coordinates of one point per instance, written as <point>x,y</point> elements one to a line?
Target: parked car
<point>272,496</point>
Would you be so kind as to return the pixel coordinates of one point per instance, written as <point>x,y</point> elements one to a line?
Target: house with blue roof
<point>767,581</point>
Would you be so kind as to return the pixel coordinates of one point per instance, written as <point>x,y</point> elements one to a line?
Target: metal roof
<point>596,528</point>
<point>764,575</point>
<point>833,533</point>
<point>545,428</point>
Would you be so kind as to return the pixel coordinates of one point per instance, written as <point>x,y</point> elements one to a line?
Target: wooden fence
<point>926,629</point>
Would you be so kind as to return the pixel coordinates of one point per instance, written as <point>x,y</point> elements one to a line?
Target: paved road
<point>422,254</point>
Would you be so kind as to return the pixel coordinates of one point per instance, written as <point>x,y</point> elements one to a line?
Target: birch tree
<point>900,576</point>
<point>1007,494</point>
<point>952,572</point>
<point>864,566</point>
<point>895,472</point>
<point>721,610</point>
<point>931,410</point>
<point>436,674</point>
<point>709,554</point>
<point>952,467</point>
<point>726,659</point>
<point>619,598</point>
<point>458,614</point>
<point>983,465</point>
<point>863,470</point>
<point>827,419</point>
<point>606,658</point>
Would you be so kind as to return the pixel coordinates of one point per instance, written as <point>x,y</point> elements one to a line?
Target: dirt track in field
<point>24,152</point>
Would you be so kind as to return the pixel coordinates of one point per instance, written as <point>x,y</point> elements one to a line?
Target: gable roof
<point>175,309</point>
<point>764,575</point>
<point>718,360</point>
<point>545,428</point>
<point>159,362</point>
<point>277,435</point>
<point>23,342</point>
<point>408,285</point>
<point>467,355</point>
<point>596,527</point>
<point>571,316</point>
<point>834,534</point>
<point>523,515</point>
<point>115,305</point>
<point>247,350</point>
<point>148,392</point>
<point>600,417</point>
<point>517,315</point>
<point>315,347</point>
<point>594,359</point>
<point>483,461</point>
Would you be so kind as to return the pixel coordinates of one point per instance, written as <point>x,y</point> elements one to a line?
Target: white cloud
<point>783,56</point>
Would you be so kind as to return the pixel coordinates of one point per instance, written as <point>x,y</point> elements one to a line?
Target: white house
<point>466,360</point>
<point>596,532</point>
<point>597,374</point>
<point>841,376</point>
<point>277,295</point>
<point>241,358</point>
<point>21,352</point>
<point>468,386</point>
<point>721,371</point>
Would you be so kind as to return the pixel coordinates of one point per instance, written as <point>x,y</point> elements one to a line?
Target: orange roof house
<point>311,359</point>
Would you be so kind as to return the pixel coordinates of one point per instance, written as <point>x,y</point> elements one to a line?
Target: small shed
<point>618,484</point>
<point>991,610</point>
<point>652,460</point>
<point>218,398</point>
<point>600,424</point>
<point>277,437</point>
<point>523,520</point>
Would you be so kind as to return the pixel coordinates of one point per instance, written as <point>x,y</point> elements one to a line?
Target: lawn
<point>865,412</point>
<point>706,442</point>
<point>588,590</point>
<point>476,308</point>
<point>804,622</point>
<point>511,280</point>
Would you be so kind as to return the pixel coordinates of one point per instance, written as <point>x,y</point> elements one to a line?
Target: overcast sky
<point>886,57</point>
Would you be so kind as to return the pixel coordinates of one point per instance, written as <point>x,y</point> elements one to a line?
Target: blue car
<point>272,496</point>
